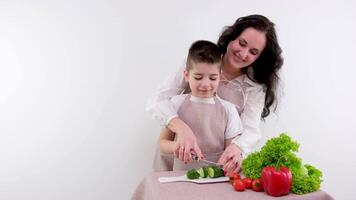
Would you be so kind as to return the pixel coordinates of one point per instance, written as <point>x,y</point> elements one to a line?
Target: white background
<point>75,76</point>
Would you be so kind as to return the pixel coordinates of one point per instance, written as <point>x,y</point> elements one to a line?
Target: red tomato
<point>257,185</point>
<point>247,182</point>
<point>239,185</point>
<point>234,176</point>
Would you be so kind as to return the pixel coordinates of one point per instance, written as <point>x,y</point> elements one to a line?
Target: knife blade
<point>196,158</point>
<point>211,163</point>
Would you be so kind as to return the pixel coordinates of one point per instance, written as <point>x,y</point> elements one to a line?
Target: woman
<point>250,65</point>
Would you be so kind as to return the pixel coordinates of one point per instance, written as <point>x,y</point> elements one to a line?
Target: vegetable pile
<point>280,151</point>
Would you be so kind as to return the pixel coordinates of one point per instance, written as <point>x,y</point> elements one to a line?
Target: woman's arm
<point>251,119</point>
<point>159,105</point>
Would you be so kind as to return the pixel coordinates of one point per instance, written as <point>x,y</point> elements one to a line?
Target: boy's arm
<point>166,141</point>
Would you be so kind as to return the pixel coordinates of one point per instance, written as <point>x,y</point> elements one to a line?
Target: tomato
<point>234,176</point>
<point>239,185</point>
<point>247,182</point>
<point>257,185</point>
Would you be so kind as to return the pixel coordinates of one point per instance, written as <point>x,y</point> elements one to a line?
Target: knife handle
<point>195,157</point>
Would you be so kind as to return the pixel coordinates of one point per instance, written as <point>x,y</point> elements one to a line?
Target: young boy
<point>215,122</point>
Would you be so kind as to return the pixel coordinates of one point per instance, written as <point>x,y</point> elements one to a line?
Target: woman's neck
<point>229,72</point>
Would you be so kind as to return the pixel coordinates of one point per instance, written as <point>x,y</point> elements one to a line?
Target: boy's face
<point>203,79</point>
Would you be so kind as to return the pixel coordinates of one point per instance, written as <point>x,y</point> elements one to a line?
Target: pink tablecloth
<point>150,189</point>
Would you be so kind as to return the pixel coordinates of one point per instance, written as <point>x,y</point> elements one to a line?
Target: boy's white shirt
<point>162,110</point>
<point>234,126</point>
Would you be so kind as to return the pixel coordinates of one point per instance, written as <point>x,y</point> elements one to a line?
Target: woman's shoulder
<point>251,85</point>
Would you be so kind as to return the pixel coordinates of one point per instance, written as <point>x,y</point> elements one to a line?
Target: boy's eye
<point>198,78</point>
<point>213,78</point>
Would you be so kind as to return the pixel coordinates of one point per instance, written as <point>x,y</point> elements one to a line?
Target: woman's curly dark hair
<point>265,69</point>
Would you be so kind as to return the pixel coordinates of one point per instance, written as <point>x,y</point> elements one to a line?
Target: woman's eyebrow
<point>243,41</point>
<point>256,50</point>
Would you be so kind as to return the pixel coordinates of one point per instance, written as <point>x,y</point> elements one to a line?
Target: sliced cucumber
<point>204,172</point>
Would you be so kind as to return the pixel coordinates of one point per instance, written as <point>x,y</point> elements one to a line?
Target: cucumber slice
<point>205,172</point>
<point>211,172</point>
<point>193,174</point>
<point>215,172</point>
<point>201,172</point>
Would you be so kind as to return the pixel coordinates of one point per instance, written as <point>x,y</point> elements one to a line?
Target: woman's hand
<point>186,141</point>
<point>231,159</point>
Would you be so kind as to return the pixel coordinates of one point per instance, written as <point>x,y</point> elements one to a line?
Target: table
<point>150,189</point>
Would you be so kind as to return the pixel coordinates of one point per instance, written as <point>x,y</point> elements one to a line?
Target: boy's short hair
<point>203,51</point>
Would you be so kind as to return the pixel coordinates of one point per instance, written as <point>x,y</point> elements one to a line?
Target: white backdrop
<point>75,76</point>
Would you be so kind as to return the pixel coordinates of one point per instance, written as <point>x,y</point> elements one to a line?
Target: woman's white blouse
<point>250,105</point>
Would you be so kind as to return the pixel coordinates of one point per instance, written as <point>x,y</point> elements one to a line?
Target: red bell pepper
<point>276,182</point>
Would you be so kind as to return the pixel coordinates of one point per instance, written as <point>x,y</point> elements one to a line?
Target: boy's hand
<point>187,145</point>
<point>186,141</point>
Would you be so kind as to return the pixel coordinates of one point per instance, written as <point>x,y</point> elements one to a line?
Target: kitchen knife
<point>195,157</point>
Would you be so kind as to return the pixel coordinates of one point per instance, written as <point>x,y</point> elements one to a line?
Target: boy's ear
<point>186,75</point>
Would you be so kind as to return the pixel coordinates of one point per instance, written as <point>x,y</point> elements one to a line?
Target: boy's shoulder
<point>177,100</point>
<point>179,97</point>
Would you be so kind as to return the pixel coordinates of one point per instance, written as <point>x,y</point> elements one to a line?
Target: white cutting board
<point>185,179</point>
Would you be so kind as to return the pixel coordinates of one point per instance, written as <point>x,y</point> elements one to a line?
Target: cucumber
<point>219,171</point>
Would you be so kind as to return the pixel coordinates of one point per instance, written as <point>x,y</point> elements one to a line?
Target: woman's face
<point>245,49</point>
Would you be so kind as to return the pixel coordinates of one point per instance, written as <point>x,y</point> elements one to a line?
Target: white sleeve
<point>251,117</point>
<point>234,126</point>
<point>176,101</point>
<point>159,105</point>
